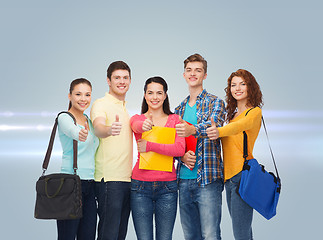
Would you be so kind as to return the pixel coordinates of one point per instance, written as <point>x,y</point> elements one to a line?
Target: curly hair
<point>253,92</point>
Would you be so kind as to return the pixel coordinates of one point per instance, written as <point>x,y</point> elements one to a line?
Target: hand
<point>116,127</point>
<point>141,144</point>
<point>84,132</point>
<point>212,132</point>
<point>148,123</point>
<point>189,159</point>
<point>183,129</point>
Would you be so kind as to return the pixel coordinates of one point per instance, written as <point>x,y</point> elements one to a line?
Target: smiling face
<point>80,97</point>
<point>239,89</point>
<point>194,74</point>
<point>155,96</point>
<point>119,83</point>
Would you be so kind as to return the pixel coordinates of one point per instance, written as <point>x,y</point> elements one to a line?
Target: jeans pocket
<point>136,186</point>
<point>171,186</point>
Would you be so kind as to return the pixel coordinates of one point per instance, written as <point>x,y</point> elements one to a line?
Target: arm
<point>243,124</point>
<point>139,125</point>
<point>175,150</point>
<point>68,127</point>
<point>103,131</point>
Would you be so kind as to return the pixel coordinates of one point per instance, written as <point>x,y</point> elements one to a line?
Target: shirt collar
<point>202,94</point>
<point>114,99</point>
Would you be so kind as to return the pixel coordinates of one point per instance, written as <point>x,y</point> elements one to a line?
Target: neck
<point>157,113</point>
<point>194,92</point>
<point>76,113</point>
<point>242,105</point>
<point>119,97</point>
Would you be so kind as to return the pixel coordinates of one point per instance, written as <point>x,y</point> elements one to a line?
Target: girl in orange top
<point>243,96</point>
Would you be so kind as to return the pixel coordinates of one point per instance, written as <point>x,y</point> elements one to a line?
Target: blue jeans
<point>200,209</point>
<point>240,212</point>
<point>113,209</point>
<point>85,227</point>
<point>149,198</point>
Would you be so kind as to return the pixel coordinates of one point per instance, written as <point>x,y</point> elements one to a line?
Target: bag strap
<point>51,143</point>
<point>245,144</point>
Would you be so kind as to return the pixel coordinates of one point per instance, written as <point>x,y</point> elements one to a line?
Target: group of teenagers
<point>112,187</point>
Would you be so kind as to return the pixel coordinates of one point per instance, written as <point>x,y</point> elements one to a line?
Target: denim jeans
<point>241,213</point>
<point>113,209</point>
<point>200,209</point>
<point>149,198</point>
<point>85,227</point>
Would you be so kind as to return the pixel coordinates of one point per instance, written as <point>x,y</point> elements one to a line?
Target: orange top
<point>232,140</point>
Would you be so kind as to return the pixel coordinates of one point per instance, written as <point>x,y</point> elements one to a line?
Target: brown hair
<point>77,82</point>
<point>117,66</point>
<point>196,58</point>
<point>253,92</point>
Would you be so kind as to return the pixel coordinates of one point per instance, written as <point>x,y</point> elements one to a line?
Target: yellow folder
<point>156,161</point>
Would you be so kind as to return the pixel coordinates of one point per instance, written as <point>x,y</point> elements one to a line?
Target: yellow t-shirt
<point>113,160</point>
<point>232,140</point>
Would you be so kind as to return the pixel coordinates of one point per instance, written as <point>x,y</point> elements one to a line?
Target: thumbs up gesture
<point>84,132</point>
<point>183,129</point>
<point>212,132</point>
<point>116,127</point>
<point>148,123</point>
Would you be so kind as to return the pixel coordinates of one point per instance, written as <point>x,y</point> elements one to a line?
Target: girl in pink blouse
<point>154,193</point>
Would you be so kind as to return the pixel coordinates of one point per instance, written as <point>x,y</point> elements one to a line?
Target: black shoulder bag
<point>59,195</point>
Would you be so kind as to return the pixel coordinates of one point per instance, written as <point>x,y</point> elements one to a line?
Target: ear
<point>205,75</point>
<point>109,81</point>
<point>69,96</point>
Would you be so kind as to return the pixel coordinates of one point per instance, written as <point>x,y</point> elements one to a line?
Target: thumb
<point>117,118</point>
<point>213,123</point>
<point>181,120</point>
<point>86,126</point>
<point>151,116</point>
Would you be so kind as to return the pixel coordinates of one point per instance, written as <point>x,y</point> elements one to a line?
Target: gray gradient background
<point>46,44</point>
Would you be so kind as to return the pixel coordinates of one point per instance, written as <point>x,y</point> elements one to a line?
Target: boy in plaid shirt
<point>200,173</point>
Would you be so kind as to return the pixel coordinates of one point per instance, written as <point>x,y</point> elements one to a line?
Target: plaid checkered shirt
<point>208,157</point>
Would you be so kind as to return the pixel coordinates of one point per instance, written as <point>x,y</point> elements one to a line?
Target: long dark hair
<point>161,81</point>
<point>253,91</point>
<point>77,82</point>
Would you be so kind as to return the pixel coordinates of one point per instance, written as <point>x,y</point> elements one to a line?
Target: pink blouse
<point>176,150</point>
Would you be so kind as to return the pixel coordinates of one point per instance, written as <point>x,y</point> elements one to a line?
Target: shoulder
<point>182,104</point>
<point>65,118</point>
<point>137,117</point>
<point>255,113</point>
<point>102,100</point>
<point>211,98</point>
<point>173,119</point>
